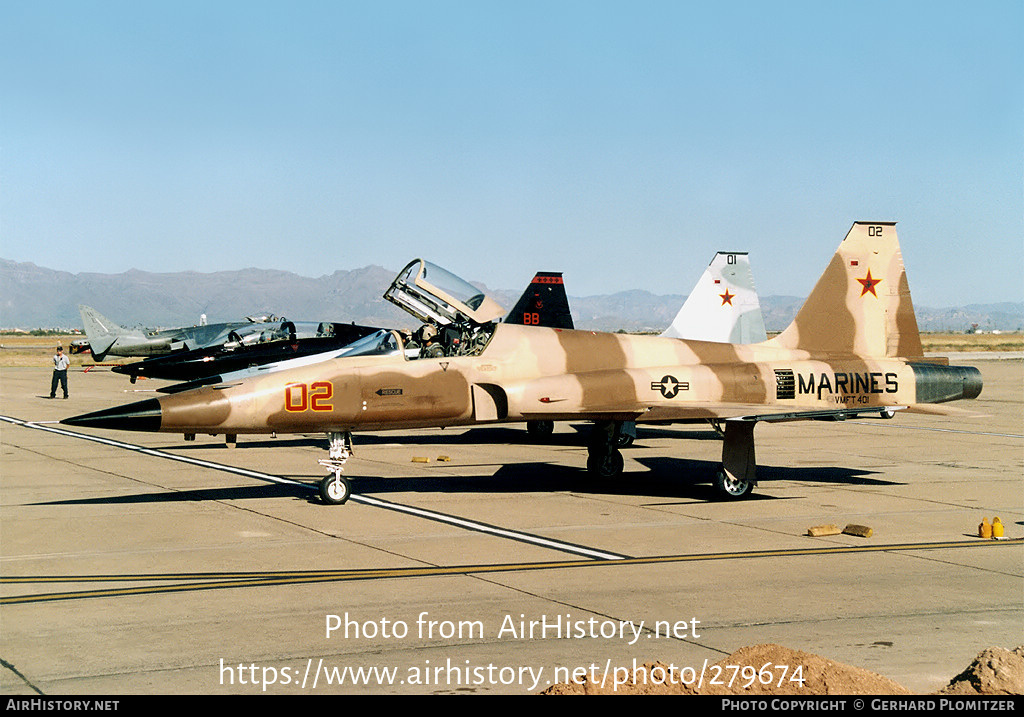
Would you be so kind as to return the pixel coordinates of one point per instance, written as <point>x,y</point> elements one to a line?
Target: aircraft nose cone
<point>140,416</point>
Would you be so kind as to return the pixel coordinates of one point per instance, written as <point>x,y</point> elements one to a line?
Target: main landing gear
<point>604,461</point>
<point>734,480</point>
<point>335,489</point>
<point>540,431</point>
<point>738,474</point>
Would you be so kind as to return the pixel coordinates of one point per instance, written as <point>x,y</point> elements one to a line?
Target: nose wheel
<point>335,488</point>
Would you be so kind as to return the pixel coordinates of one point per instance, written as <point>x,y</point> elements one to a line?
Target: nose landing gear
<point>335,489</point>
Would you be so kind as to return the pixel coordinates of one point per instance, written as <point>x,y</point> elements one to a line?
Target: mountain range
<point>36,297</point>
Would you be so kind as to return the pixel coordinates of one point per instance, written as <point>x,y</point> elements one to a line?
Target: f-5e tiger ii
<point>852,349</point>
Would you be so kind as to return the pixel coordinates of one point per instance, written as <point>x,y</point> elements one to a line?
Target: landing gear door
<point>436,296</point>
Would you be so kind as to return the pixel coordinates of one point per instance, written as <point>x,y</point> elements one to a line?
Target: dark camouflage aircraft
<point>289,341</point>
<point>853,349</point>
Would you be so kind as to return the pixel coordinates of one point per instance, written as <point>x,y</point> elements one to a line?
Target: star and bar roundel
<point>669,386</point>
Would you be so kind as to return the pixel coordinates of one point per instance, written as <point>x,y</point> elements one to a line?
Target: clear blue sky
<point>622,143</point>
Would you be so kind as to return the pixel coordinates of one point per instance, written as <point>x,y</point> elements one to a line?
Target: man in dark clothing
<point>60,373</point>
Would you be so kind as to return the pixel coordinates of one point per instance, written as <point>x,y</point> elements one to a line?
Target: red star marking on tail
<point>727,298</point>
<point>869,284</point>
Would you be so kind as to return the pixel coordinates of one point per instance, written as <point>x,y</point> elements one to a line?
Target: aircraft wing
<point>782,414</point>
<point>714,412</point>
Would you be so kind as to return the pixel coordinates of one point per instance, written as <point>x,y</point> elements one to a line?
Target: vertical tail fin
<point>544,303</point>
<point>723,305</point>
<point>861,304</point>
<point>101,331</point>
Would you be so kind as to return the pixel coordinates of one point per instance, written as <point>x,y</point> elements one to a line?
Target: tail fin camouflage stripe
<point>861,305</point>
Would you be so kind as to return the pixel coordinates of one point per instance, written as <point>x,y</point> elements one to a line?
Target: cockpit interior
<point>457,318</point>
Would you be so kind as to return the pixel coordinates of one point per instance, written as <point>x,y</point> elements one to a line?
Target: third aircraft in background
<point>108,338</point>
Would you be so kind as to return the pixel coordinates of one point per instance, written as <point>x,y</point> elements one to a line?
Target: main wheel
<point>335,491</point>
<point>732,488</point>
<point>540,430</point>
<point>605,465</point>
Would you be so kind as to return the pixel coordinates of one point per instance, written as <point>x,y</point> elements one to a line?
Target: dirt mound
<point>757,670</point>
<point>995,671</point>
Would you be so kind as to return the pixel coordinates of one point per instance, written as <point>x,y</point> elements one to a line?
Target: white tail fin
<point>723,305</point>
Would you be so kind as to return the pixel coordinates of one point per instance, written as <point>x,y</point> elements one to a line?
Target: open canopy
<point>435,295</point>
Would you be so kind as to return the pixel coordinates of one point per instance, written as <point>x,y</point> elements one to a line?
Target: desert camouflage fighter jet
<point>852,349</point>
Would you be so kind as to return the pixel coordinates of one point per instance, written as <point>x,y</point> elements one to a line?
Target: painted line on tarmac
<point>227,580</point>
<point>491,529</point>
<point>158,453</point>
<point>453,520</point>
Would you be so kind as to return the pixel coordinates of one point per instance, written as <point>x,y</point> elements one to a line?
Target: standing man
<point>60,373</point>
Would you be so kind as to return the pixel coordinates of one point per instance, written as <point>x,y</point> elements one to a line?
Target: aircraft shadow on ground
<point>541,478</point>
<point>256,490</point>
<point>665,478</point>
<point>706,470</point>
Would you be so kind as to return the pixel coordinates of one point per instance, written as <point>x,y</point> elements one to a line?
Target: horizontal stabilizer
<point>101,346</point>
